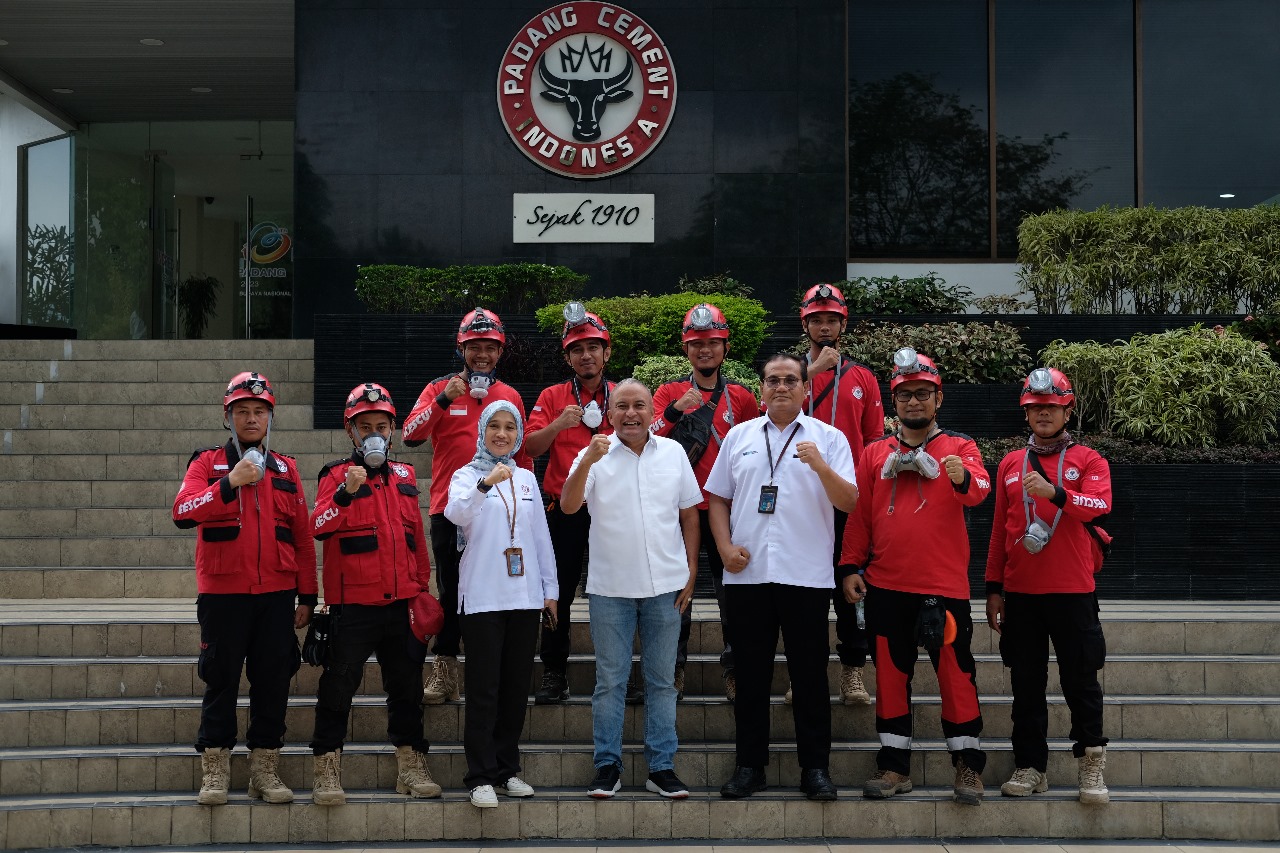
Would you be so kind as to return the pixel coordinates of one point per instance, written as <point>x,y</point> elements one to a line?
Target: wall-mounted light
<point>1226,195</point>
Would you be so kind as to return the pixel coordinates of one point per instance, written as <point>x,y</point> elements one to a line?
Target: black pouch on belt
<point>931,623</point>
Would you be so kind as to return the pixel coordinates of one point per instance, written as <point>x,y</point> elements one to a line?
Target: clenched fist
<point>456,388</point>
<point>355,478</point>
<point>597,449</point>
<point>689,400</point>
<point>499,473</point>
<point>245,473</point>
<point>955,468</point>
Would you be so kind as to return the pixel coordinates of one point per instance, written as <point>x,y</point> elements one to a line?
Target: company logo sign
<point>586,89</point>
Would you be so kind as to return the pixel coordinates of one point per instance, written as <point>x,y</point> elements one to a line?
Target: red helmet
<point>248,386</point>
<point>581,325</point>
<point>704,322</point>
<point>1047,386</point>
<point>368,397</point>
<point>909,365</point>
<point>482,325</point>
<point>823,297</point>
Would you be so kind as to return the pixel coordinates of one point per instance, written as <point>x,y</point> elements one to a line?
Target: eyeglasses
<point>783,381</point>
<point>902,395</point>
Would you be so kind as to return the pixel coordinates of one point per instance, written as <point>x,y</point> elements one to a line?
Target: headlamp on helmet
<point>575,313</point>
<point>701,318</point>
<point>1047,386</point>
<point>909,366</point>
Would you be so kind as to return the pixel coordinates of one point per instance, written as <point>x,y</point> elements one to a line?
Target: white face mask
<point>592,417</point>
<point>374,450</point>
<point>480,383</point>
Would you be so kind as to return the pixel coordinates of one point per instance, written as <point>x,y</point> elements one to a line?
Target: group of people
<point>799,500</point>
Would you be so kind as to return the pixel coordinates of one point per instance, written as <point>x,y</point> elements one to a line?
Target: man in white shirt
<point>773,494</point>
<point>643,559</point>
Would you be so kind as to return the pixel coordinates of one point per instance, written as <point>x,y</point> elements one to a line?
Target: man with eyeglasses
<point>773,493</point>
<point>845,394</point>
<point>713,404</point>
<point>909,540</point>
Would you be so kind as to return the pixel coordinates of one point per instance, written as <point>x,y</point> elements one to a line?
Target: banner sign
<point>582,218</point>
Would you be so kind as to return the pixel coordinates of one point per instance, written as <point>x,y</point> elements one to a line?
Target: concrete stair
<point>99,701</point>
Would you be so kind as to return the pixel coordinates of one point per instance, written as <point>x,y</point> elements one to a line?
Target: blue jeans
<point>613,630</point>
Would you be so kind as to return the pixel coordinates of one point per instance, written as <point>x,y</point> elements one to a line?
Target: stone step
<point>163,439</point>
<point>142,418</point>
<point>239,351</point>
<point>117,677</point>
<point>168,467</point>
<point>278,370</point>
<point>125,389</point>
<point>162,720</point>
<point>169,767</point>
<point>141,550</point>
<point>70,494</point>
<point>378,816</point>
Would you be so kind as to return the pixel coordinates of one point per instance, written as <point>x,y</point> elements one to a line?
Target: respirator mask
<point>480,383</point>
<point>1036,537</point>
<point>255,456</point>
<point>373,449</point>
<point>1038,533</point>
<point>592,417</point>
<point>917,459</point>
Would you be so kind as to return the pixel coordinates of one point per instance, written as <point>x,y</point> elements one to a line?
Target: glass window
<point>1064,109</point>
<point>918,173</point>
<point>1210,126</point>
<point>46,264</point>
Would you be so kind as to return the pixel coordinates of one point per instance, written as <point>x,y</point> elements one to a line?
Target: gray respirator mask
<point>479,383</point>
<point>255,456</point>
<point>1036,537</point>
<point>374,450</point>
<point>917,459</point>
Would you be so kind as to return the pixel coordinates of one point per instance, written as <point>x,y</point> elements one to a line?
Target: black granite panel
<point>417,217</point>
<point>419,133</point>
<point>687,148</point>
<point>336,50</point>
<point>820,214</point>
<point>755,215</point>
<point>756,132</point>
<point>755,50</point>
<point>821,118</point>
<point>333,132</point>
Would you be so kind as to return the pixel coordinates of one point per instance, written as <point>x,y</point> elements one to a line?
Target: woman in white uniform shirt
<point>506,579</point>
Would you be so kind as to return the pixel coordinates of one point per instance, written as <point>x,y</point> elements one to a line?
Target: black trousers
<point>253,632</point>
<point>757,613</point>
<point>444,547</point>
<point>891,621</point>
<point>365,629</point>
<point>716,566</point>
<point>569,542</point>
<point>851,641</point>
<point>1070,621</point>
<point>499,665</point>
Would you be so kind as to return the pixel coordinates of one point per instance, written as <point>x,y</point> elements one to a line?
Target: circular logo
<point>857,392</point>
<point>586,89</point>
<point>1071,474</point>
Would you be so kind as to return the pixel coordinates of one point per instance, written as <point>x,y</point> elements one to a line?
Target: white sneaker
<point>483,797</point>
<point>516,787</point>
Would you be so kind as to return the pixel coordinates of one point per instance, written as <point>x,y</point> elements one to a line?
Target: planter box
<point>1181,532</point>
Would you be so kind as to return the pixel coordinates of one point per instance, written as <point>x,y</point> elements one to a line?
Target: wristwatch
<point>483,486</point>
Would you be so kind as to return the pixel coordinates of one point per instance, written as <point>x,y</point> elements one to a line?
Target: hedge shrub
<point>643,326</point>
<point>1264,327</point>
<point>515,288</point>
<point>971,353</point>
<point>1123,451</point>
<point>925,294</point>
<point>1148,260</point>
<point>657,369</point>
<point>1193,387</point>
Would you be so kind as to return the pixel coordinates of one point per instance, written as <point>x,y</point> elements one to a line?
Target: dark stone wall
<point>401,156</point>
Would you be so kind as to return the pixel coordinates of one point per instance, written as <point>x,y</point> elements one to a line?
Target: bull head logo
<point>586,100</point>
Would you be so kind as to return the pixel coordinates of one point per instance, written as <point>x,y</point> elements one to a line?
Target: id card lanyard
<point>514,555</point>
<point>577,396</point>
<point>769,494</point>
<point>835,391</point>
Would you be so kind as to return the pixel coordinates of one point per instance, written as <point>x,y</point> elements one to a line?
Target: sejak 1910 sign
<point>586,89</point>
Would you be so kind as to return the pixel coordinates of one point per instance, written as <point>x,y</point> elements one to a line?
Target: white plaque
<point>582,218</point>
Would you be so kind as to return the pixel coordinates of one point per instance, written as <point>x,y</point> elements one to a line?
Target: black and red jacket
<point>375,548</point>
<point>1069,561</point>
<point>913,538</point>
<point>252,539</point>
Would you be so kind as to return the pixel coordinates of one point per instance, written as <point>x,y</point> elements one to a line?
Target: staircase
<point>99,701</point>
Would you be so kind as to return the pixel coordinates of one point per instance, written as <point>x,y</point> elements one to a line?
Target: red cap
<point>480,324</point>
<point>704,321</point>
<point>909,365</point>
<point>823,297</point>
<point>1047,386</point>
<point>249,386</point>
<point>368,397</point>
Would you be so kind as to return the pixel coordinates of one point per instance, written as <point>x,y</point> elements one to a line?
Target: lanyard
<point>768,445</point>
<point>835,390</point>
<point>1029,503</point>
<point>577,396</point>
<point>511,510</point>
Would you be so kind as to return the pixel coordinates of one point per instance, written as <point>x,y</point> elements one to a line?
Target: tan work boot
<point>215,764</point>
<point>730,686</point>
<point>787,697</point>
<point>967,789</point>
<point>1025,781</point>
<point>1092,787</point>
<point>679,681</point>
<point>885,783</point>
<point>412,776</point>
<point>327,788</point>
<point>442,684</point>
<point>264,777</point>
<point>852,690</point>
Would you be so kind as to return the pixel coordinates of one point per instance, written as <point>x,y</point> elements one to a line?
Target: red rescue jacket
<point>252,539</point>
<point>375,548</point>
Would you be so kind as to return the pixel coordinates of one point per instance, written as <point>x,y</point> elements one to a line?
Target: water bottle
<point>860,608</point>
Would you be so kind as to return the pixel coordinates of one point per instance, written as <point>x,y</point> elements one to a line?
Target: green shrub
<point>1187,260</point>
<point>999,303</point>
<point>642,326</point>
<point>971,353</point>
<point>1263,328</point>
<point>718,283</point>
<point>1123,451</point>
<point>925,294</point>
<point>657,369</point>
<point>1181,388</point>
<point>514,288</point>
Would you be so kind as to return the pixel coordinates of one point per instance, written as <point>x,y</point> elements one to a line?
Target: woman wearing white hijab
<point>507,578</point>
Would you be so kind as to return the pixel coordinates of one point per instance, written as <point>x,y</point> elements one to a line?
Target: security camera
<point>208,199</point>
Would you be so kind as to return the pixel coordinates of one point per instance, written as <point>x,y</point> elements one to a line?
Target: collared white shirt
<point>794,544</point>
<point>636,543</point>
<point>483,582</point>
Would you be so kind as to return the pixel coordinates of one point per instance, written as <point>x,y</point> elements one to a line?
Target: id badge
<point>515,562</point>
<point>768,499</point>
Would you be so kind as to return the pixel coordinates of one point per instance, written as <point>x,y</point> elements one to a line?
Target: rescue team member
<point>845,394</point>
<point>375,562</point>
<point>908,535</point>
<point>717,405</point>
<point>507,578</point>
<point>563,421</point>
<point>774,490</point>
<point>1040,585</point>
<point>642,495</point>
<point>448,412</point>
<point>254,556</point>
